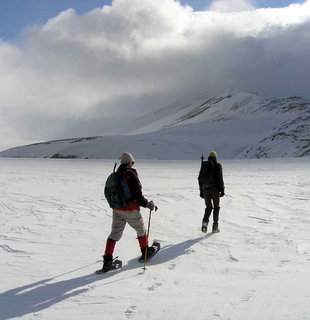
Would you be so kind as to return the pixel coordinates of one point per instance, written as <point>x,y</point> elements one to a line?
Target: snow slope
<point>54,223</point>
<point>236,124</point>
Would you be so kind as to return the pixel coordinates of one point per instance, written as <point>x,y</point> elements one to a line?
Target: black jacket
<point>211,175</point>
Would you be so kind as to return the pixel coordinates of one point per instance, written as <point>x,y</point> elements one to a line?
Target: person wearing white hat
<point>126,158</point>
<point>128,214</point>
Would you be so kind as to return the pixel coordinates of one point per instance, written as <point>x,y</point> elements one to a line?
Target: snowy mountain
<point>236,124</point>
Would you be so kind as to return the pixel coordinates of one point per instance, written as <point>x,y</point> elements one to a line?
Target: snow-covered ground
<point>54,222</point>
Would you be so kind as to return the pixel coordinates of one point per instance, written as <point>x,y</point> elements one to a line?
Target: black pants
<point>212,200</point>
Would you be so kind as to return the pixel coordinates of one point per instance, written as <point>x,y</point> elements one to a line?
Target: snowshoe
<point>109,264</point>
<point>151,251</point>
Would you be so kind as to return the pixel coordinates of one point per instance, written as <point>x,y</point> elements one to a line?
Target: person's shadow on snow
<point>170,252</point>
<point>41,295</point>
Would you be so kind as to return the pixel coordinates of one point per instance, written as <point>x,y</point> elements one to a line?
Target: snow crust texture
<point>54,222</point>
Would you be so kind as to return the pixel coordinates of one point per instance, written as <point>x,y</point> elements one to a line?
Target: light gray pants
<point>119,220</point>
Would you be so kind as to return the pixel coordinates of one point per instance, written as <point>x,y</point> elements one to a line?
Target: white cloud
<point>231,5</point>
<point>70,76</point>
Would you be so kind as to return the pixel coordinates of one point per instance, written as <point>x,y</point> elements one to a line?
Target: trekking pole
<point>148,232</point>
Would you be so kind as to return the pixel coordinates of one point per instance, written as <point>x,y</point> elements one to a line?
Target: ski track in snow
<point>55,221</point>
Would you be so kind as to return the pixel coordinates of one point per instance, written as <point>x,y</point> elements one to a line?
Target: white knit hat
<point>126,158</point>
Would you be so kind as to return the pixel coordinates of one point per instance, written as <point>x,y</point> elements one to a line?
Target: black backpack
<point>208,174</point>
<point>116,190</point>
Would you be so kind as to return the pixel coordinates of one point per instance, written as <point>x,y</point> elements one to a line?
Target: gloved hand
<point>201,194</point>
<point>150,205</point>
<point>222,194</point>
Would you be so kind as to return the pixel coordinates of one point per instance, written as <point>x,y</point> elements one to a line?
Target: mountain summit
<point>236,124</point>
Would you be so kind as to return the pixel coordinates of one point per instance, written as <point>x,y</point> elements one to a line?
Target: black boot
<point>107,262</point>
<point>150,252</point>
<point>204,226</point>
<point>215,228</point>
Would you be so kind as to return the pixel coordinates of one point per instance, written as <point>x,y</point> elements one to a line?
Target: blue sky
<point>16,15</point>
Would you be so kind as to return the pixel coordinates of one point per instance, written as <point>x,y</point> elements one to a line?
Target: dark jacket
<point>137,199</point>
<point>211,175</point>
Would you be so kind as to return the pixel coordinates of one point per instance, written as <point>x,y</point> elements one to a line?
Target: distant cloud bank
<point>77,74</point>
